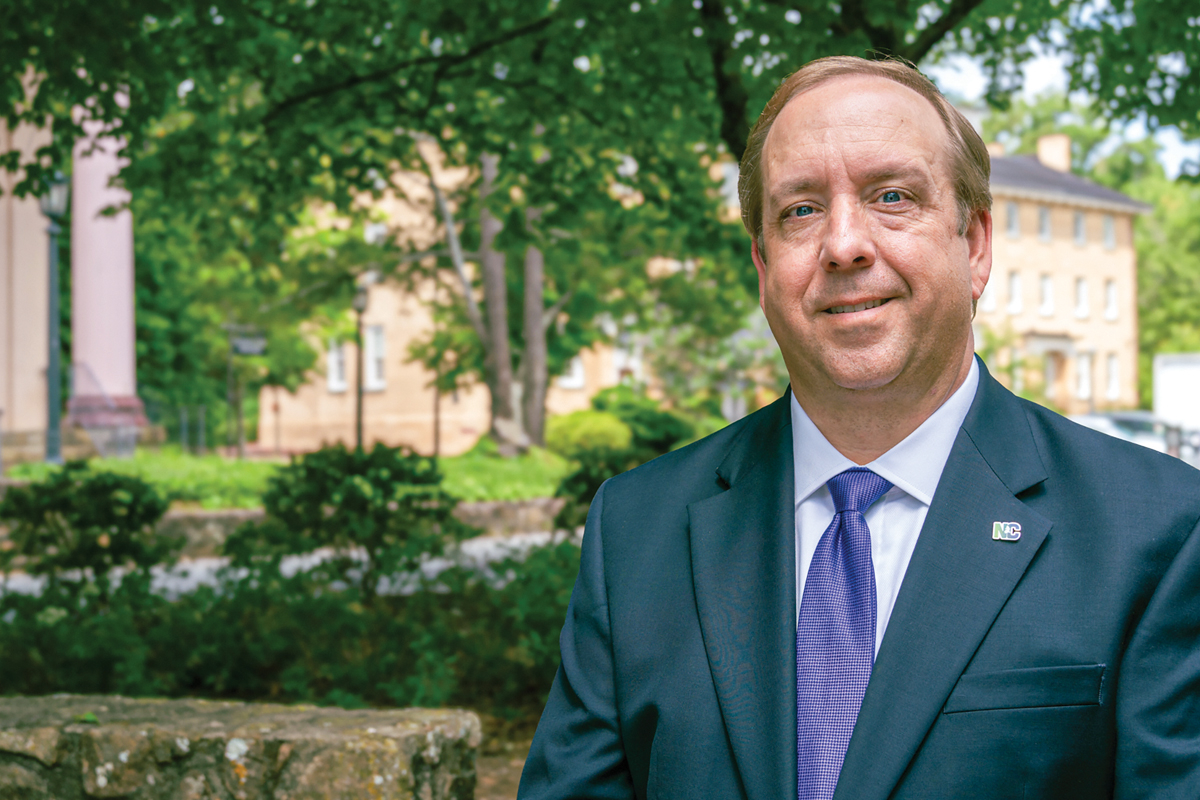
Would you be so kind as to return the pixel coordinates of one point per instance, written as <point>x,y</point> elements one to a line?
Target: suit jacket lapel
<point>957,581</point>
<point>743,566</point>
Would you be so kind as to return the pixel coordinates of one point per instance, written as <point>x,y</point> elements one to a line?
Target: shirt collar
<point>914,465</point>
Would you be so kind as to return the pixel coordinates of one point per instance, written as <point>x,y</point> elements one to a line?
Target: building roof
<point>1025,178</point>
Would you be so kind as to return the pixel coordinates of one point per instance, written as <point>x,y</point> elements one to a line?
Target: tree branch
<point>955,14</point>
<point>456,252</point>
<point>443,61</point>
<point>551,313</point>
<point>854,17</point>
<point>731,94</point>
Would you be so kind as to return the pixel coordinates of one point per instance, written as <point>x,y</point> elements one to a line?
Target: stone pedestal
<point>71,747</point>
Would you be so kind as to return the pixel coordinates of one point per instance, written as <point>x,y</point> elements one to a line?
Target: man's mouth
<point>855,307</point>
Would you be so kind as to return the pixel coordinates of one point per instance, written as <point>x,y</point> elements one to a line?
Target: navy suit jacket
<point>1065,664</point>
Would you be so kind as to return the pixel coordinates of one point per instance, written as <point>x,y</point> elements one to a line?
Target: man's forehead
<point>890,123</point>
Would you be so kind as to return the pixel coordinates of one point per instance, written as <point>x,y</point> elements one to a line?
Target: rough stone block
<point>72,747</point>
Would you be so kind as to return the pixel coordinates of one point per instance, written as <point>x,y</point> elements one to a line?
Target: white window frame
<point>1113,383</point>
<point>1044,230</point>
<point>1046,289</point>
<point>1110,232</point>
<point>1082,308</point>
<point>1080,229</point>
<point>573,378</point>
<point>335,367</point>
<point>1015,306</point>
<point>1013,220</point>
<point>374,351</point>
<point>1111,310</point>
<point>1083,376</point>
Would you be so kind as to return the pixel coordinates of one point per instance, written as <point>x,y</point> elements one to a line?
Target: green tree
<point>1168,250</point>
<point>1140,59</point>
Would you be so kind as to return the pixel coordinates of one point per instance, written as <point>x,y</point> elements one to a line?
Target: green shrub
<point>655,430</point>
<point>78,519</point>
<point>569,435</point>
<point>388,503</point>
<point>485,639</point>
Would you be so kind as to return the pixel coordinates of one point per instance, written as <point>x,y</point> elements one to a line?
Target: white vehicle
<point>1177,399</point>
<point>1139,427</point>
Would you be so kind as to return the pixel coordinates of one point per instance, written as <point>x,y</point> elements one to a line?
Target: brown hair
<point>970,164</point>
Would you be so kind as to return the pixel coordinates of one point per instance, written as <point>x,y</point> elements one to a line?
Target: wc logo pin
<point>1006,531</point>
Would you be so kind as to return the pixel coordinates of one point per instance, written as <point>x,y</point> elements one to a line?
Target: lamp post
<point>54,206</point>
<point>360,305</point>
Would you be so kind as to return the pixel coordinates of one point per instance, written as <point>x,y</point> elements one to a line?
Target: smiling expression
<point>863,274</point>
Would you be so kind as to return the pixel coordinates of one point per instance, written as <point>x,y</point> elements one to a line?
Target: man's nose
<point>847,243</point>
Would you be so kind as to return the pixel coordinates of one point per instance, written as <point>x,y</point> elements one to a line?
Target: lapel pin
<point>1006,531</point>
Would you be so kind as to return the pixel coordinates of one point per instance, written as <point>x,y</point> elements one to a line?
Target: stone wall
<point>71,747</point>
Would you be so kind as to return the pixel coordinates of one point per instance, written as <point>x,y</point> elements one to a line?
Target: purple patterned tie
<point>835,636</point>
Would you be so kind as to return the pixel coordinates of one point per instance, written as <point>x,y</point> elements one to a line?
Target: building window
<point>1113,389</point>
<point>1046,286</point>
<point>1013,220</point>
<point>1044,223</point>
<point>1014,292</point>
<point>1110,232</point>
<point>1080,229</point>
<point>1083,375</point>
<point>373,353</point>
<point>573,378</point>
<point>1110,300</point>
<point>1081,298</point>
<point>335,367</point>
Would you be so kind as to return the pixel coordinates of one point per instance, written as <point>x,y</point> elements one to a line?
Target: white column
<point>102,291</point>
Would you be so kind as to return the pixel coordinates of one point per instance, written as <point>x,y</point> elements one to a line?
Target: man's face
<point>862,275</point>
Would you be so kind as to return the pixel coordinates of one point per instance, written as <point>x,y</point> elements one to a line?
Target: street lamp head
<point>360,300</point>
<point>58,193</point>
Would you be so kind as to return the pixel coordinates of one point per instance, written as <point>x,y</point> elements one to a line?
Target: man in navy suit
<point>899,580</point>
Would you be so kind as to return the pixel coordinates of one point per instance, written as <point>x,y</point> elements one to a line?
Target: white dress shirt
<point>914,467</point>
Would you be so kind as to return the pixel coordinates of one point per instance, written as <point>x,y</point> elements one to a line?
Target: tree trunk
<point>534,370</point>
<point>506,426</point>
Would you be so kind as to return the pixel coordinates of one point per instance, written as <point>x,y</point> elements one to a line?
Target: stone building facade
<point>1060,309</point>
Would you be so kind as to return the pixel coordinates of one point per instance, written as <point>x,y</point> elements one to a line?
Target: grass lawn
<point>213,482</point>
<point>190,481</point>
<point>478,475</point>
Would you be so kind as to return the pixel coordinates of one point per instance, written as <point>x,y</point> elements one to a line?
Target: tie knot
<point>856,489</point>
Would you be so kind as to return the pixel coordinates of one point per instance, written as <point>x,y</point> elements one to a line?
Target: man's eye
<point>802,211</point>
<point>891,196</point>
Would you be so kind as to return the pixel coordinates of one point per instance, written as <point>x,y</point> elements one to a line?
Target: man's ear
<point>979,251</point>
<point>760,265</point>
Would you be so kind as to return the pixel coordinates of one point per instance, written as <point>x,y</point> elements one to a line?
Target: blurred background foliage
<point>604,119</point>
